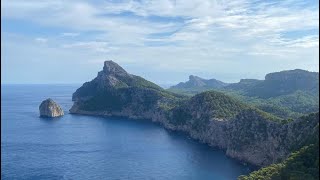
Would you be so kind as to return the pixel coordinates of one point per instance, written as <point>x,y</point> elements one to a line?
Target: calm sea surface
<point>84,147</point>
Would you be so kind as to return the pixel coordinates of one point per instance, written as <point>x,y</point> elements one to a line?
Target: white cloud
<point>41,40</point>
<point>305,42</point>
<point>70,34</point>
<point>214,36</point>
<point>91,45</point>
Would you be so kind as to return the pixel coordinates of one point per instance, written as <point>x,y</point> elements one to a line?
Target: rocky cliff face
<point>244,133</point>
<point>286,82</point>
<point>243,85</point>
<point>49,108</point>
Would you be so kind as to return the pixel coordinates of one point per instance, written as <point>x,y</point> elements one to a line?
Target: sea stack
<point>49,108</point>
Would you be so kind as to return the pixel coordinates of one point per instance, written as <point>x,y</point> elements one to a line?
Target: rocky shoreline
<point>273,148</point>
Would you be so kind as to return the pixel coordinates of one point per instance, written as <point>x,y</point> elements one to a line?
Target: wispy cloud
<point>70,34</point>
<point>91,45</point>
<point>41,40</point>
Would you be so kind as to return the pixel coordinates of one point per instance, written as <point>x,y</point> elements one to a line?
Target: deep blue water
<point>85,147</point>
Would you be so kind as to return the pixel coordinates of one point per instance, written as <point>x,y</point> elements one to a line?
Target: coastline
<point>185,133</point>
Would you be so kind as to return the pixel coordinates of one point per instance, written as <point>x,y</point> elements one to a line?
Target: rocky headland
<point>245,133</point>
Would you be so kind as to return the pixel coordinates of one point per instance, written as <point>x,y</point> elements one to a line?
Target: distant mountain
<point>197,82</point>
<point>244,85</point>
<point>275,84</point>
<point>284,83</point>
<point>287,94</point>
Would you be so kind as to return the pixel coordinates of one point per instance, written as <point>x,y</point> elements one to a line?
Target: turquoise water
<point>85,147</point>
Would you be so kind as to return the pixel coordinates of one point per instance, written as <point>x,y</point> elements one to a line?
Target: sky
<point>164,41</point>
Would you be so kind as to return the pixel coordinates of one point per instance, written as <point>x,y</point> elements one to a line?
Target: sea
<point>91,147</point>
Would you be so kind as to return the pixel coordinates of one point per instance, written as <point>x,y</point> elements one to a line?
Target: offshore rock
<point>49,108</point>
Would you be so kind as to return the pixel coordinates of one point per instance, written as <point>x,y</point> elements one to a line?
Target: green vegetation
<point>270,116</point>
<point>302,164</point>
<point>180,116</point>
<point>212,104</point>
<point>137,97</point>
<point>286,106</point>
<point>221,105</point>
<point>137,81</point>
<point>103,101</point>
<point>190,91</point>
<point>198,110</point>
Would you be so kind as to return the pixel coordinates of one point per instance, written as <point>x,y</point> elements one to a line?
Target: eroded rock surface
<point>49,108</point>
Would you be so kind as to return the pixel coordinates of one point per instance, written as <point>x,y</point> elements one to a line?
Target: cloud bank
<point>227,40</point>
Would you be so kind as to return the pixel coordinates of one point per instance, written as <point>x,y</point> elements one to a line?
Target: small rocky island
<point>49,108</point>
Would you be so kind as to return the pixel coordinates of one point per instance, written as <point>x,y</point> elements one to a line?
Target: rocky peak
<point>196,78</point>
<point>111,75</point>
<point>196,81</point>
<point>111,78</point>
<point>111,67</point>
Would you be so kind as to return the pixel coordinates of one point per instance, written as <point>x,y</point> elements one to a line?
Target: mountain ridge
<point>196,81</point>
<point>300,80</point>
<point>299,87</point>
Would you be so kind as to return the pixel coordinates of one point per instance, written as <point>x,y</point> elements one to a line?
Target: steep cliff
<point>301,164</point>
<point>246,133</point>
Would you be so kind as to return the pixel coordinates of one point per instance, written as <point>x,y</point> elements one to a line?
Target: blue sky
<point>163,41</point>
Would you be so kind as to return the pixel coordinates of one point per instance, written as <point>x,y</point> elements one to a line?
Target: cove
<point>91,147</point>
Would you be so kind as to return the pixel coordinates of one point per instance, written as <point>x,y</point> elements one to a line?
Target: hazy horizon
<point>164,85</point>
<point>66,42</point>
